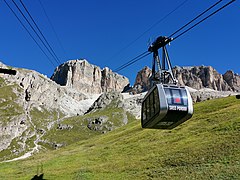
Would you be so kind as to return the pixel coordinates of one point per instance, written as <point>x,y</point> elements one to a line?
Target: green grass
<point>8,107</point>
<point>80,131</point>
<point>41,117</point>
<point>205,147</point>
<point>2,82</point>
<point>9,112</point>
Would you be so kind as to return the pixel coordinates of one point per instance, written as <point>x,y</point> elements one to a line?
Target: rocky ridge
<point>197,77</point>
<point>43,106</point>
<point>30,106</point>
<point>204,82</point>
<point>42,99</point>
<point>38,90</point>
<point>88,78</point>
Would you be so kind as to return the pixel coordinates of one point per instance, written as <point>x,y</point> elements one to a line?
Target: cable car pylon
<point>166,105</point>
<point>165,75</point>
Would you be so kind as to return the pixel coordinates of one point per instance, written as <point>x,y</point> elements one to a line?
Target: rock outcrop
<point>32,105</point>
<point>88,78</point>
<point>201,77</point>
<point>196,77</point>
<point>105,99</point>
<point>233,80</point>
<point>142,81</point>
<point>38,90</point>
<point>2,65</point>
<point>117,116</point>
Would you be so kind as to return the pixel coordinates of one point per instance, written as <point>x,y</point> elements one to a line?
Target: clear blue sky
<point>97,30</point>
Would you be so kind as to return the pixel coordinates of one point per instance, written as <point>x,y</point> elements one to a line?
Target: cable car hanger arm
<point>160,42</point>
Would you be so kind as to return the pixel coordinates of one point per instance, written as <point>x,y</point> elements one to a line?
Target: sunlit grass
<point>204,147</point>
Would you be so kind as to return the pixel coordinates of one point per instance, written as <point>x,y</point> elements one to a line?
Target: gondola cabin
<point>166,106</point>
<point>8,71</point>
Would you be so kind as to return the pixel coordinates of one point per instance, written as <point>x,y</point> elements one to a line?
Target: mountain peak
<point>88,78</point>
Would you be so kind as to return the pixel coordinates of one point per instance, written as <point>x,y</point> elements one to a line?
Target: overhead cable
<point>49,51</point>
<point>135,60</point>
<point>195,18</point>
<point>29,33</point>
<point>224,6</point>
<point>40,31</point>
<point>53,29</point>
<point>151,27</point>
<point>174,38</point>
<point>137,57</point>
<point>34,30</point>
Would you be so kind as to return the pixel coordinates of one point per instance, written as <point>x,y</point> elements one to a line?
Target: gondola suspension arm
<point>164,73</point>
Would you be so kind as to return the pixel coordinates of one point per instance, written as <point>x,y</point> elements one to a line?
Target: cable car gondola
<point>166,105</point>
<point>8,71</point>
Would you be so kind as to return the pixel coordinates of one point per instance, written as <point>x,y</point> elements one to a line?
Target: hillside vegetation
<point>205,147</point>
<point>27,127</point>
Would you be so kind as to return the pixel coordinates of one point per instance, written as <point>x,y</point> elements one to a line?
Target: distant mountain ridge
<point>196,77</point>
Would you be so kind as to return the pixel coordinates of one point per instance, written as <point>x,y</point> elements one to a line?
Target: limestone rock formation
<point>133,103</point>
<point>105,99</point>
<point>37,105</point>
<point>30,106</point>
<point>38,90</point>
<point>114,104</point>
<point>233,80</point>
<point>196,77</point>
<point>88,78</point>
<point>142,82</point>
<point>201,77</point>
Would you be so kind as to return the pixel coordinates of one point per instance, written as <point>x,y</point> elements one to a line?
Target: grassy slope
<point>9,111</point>
<point>205,147</point>
<point>80,131</point>
<point>8,107</point>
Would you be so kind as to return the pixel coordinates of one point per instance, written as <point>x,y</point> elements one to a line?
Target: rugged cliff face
<point>142,82</point>
<point>196,77</point>
<point>33,107</point>
<point>37,90</point>
<point>88,78</point>
<point>30,106</point>
<point>202,77</point>
<point>35,110</point>
<point>233,80</point>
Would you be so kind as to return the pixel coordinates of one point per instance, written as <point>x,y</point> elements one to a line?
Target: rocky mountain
<point>197,77</point>
<point>205,147</point>
<point>233,80</point>
<point>88,78</point>
<point>37,90</point>
<point>30,106</point>
<point>142,80</point>
<point>82,100</point>
<point>36,112</point>
<point>204,82</point>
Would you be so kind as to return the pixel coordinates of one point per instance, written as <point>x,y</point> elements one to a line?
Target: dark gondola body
<point>166,106</point>
<point>8,71</point>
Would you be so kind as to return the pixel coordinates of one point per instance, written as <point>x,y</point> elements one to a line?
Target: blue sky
<point>99,31</point>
